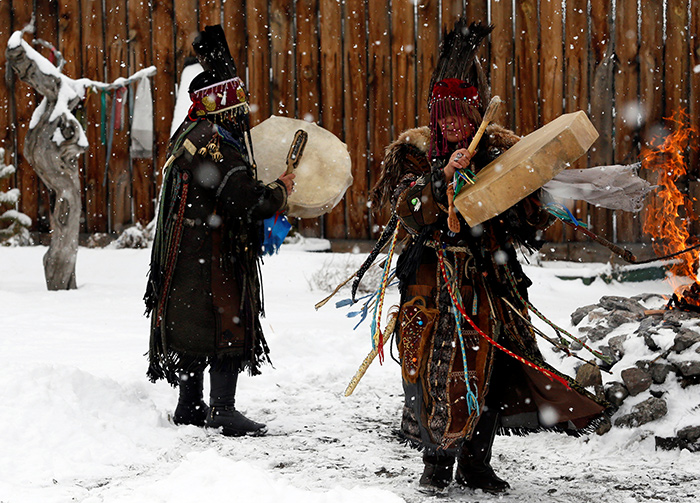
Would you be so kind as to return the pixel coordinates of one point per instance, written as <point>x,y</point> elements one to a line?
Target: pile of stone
<point>652,353</point>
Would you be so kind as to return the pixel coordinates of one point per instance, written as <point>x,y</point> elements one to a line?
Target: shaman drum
<point>526,167</point>
<point>323,174</point>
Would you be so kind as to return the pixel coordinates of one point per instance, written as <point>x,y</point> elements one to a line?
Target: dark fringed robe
<point>204,293</point>
<point>436,414</point>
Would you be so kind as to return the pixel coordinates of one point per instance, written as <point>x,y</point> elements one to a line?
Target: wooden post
<point>552,74</point>
<point>502,60</point>
<point>379,100</point>
<point>526,67</point>
<point>650,85</point>
<point>332,104</point>
<point>257,19</point>
<point>96,209</point>
<point>356,117</point>
<point>118,176</point>
<point>627,126</point>
<point>427,44</point>
<point>601,71</point>
<point>308,95</point>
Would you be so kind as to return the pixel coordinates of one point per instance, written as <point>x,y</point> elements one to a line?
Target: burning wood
<point>670,215</point>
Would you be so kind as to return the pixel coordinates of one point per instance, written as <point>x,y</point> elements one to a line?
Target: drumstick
<point>296,150</point>
<point>489,116</point>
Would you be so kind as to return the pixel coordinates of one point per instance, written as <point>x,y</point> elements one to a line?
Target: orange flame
<point>670,214</point>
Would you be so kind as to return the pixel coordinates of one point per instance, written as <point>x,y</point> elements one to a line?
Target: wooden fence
<point>361,69</point>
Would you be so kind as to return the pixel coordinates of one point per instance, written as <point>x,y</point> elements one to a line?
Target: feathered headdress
<point>458,86</point>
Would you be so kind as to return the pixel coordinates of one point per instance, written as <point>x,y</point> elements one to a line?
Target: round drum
<point>323,174</point>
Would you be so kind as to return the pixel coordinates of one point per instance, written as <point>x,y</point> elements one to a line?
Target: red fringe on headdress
<point>467,117</point>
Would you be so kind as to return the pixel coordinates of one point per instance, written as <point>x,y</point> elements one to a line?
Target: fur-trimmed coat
<point>478,269</point>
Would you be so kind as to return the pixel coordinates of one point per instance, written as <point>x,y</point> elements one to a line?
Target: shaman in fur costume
<point>470,362</point>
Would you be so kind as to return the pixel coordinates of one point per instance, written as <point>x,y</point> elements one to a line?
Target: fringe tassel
<point>452,220</point>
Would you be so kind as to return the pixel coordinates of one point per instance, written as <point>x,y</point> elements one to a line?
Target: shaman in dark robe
<point>204,292</point>
<point>470,362</point>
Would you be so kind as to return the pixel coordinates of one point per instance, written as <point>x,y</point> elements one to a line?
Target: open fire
<point>670,214</point>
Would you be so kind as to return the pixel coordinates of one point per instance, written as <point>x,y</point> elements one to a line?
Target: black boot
<point>473,463</point>
<point>222,413</point>
<point>191,408</point>
<point>437,472</point>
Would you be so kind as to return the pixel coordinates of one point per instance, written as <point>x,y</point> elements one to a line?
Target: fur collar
<point>496,135</point>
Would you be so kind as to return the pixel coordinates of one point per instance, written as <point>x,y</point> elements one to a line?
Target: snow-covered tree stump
<point>53,142</point>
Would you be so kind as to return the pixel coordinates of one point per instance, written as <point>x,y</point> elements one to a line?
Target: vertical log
<point>257,17</point>
<point>141,56</point>
<point>236,33</point>
<point>25,102</point>
<point>427,42</point>
<point>601,71</point>
<point>502,60</point>
<point>676,56</point>
<point>356,117</point>
<point>308,95</point>
<point>93,68</point>
<point>627,122</point>
<point>526,71</point>
<point>119,177</point>
<point>651,67</point>
<point>552,60</point>
<point>477,10</point>
<point>694,97</point>
<point>282,89</point>
<point>577,84</point>
<point>209,13</point>
<point>552,75</point>
<point>451,11</point>
<point>403,70</point>
<point>677,68</point>
<point>186,29</point>
<point>146,191</point>
<point>332,103</point>
<point>5,32</point>
<point>6,141</point>
<point>379,99</point>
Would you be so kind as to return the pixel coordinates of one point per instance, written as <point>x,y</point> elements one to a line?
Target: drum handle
<point>296,150</point>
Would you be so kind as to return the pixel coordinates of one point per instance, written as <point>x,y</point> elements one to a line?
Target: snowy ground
<point>80,422</point>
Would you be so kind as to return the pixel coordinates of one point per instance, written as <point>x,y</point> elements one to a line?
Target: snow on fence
<point>361,69</point>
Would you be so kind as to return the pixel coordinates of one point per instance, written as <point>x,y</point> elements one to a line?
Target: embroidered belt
<point>438,246</point>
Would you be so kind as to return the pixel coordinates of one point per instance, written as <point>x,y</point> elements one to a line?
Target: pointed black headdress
<point>213,53</point>
<point>217,92</point>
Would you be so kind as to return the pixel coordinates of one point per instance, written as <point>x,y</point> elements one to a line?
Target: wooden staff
<point>489,116</point>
